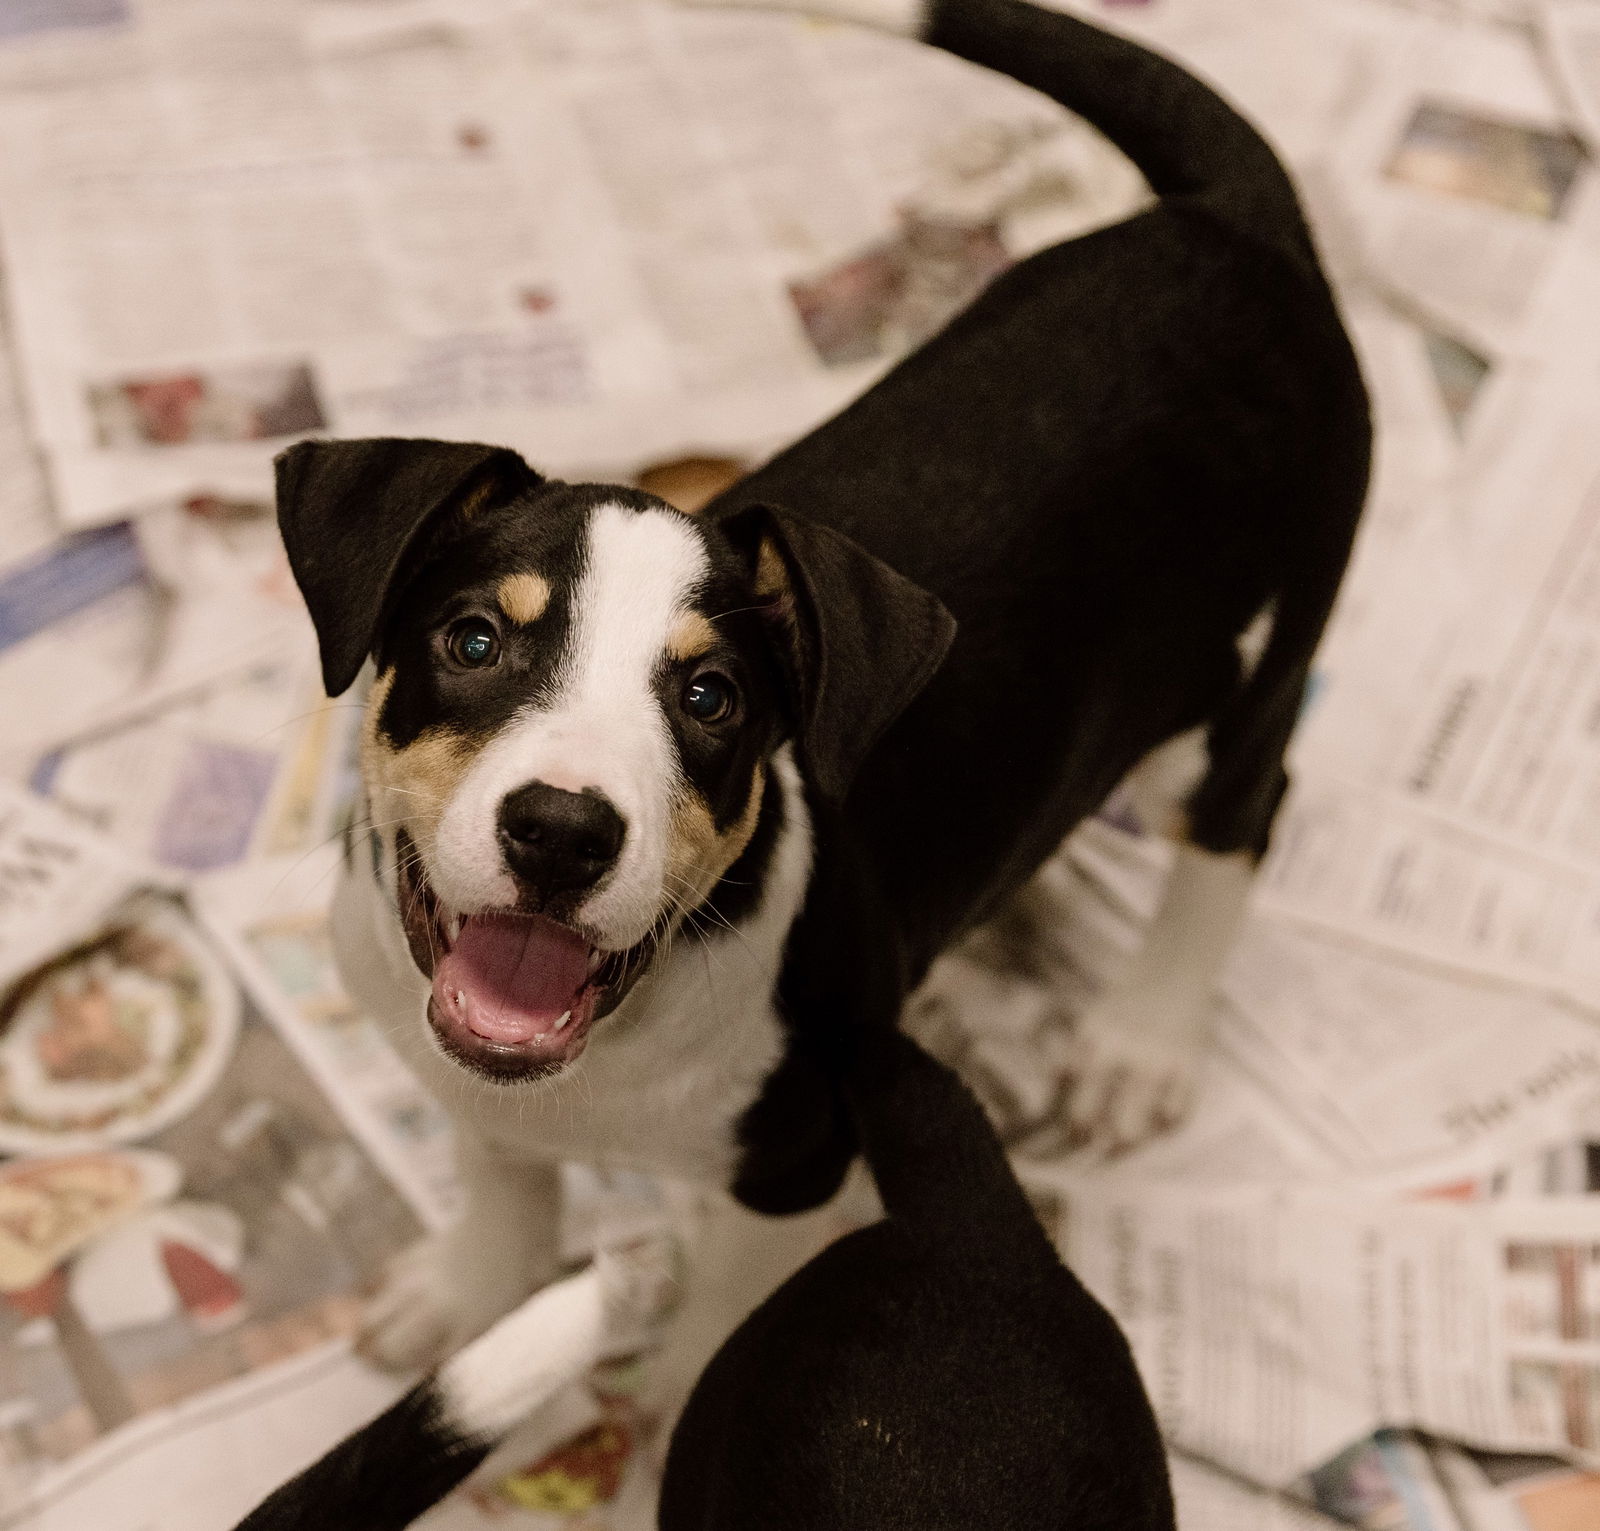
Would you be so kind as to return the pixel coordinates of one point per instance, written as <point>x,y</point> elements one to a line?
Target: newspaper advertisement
<point>1476,199</point>
<point>188,1220</point>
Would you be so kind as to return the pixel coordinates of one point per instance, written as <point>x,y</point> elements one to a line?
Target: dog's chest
<point>664,1081</point>
<point>662,1086</point>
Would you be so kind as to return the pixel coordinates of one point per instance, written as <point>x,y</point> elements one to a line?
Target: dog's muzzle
<point>514,994</point>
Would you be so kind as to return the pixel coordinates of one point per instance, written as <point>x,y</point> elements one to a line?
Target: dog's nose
<point>559,842</point>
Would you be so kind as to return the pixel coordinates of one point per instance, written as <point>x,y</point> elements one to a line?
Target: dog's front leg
<point>449,1288</point>
<point>1137,1049</point>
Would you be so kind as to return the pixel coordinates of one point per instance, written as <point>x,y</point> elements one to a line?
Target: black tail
<point>1186,140</point>
<point>936,1160</point>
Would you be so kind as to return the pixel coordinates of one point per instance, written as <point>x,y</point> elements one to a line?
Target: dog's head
<point>578,694</point>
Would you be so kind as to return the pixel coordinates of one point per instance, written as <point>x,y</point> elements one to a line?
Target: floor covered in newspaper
<point>1362,1280</point>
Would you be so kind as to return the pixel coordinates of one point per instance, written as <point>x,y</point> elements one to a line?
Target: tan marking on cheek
<point>523,597</point>
<point>691,636</point>
<point>411,787</point>
<point>699,855</point>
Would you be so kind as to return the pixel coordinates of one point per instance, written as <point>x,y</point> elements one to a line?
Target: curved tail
<point>1185,139</point>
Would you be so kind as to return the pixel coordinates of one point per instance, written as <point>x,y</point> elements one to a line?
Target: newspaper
<point>258,766</point>
<point>1444,776</point>
<point>1273,1328</point>
<point>608,232</point>
<point>1570,33</point>
<point>651,231</point>
<point>104,626</point>
<point>188,1220</point>
<point>206,1158</point>
<point>1474,196</point>
<point>27,519</point>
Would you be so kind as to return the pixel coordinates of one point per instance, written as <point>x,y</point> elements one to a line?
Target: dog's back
<point>1125,449</point>
<point>1128,449</point>
<point>940,1368</point>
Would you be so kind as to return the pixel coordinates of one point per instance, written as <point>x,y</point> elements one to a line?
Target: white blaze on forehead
<point>600,728</point>
<point>641,570</point>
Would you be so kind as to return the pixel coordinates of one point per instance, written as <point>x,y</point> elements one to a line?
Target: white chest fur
<point>665,1078</point>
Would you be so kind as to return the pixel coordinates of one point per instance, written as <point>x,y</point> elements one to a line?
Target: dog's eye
<point>473,644</point>
<point>710,697</point>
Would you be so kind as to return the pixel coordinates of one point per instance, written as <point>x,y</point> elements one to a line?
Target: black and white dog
<point>939,1369</point>
<point>664,811</point>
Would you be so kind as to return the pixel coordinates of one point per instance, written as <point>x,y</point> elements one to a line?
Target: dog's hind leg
<point>1137,1049</point>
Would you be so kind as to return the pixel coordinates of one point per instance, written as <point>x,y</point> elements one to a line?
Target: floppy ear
<point>349,512</point>
<point>862,639</point>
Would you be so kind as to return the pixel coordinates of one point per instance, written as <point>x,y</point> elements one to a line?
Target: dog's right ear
<point>350,511</point>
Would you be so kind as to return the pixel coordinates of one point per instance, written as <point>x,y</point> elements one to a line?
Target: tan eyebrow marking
<point>523,597</point>
<point>691,636</point>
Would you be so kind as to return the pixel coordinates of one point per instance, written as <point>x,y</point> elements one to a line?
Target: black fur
<point>1104,469</point>
<point>864,640</point>
<point>739,890</point>
<point>938,1371</point>
<point>456,578</point>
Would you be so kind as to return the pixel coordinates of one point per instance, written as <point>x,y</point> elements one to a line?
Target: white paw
<point>435,1297</point>
<point>1131,1072</point>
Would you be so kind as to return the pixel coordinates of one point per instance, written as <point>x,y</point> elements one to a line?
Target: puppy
<point>939,1369</point>
<point>663,811</point>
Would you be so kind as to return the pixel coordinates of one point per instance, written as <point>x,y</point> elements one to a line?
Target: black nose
<point>558,842</point>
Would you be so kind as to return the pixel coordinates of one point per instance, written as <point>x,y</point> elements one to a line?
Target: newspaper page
<point>105,626</point>
<point>1502,1492</point>
<point>1337,1058</point>
<point>1274,1328</point>
<point>1208,1500</point>
<point>27,519</point>
<point>271,914</point>
<point>260,765</point>
<point>652,230</point>
<point>1570,34</point>
<point>1475,198</point>
<point>1445,775</point>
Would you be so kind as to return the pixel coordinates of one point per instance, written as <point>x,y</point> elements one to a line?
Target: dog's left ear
<point>862,639</point>
<point>350,511</point>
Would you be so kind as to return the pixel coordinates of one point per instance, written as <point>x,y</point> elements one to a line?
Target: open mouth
<point>514,995</point>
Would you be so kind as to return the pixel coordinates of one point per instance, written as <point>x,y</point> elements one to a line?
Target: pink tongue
<point>510,979</point>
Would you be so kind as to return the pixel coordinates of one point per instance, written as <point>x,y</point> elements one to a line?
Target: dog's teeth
<point>453,928</point>
<point>460,999</point>
<point>562,1023</point>
<point>596,957</point>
